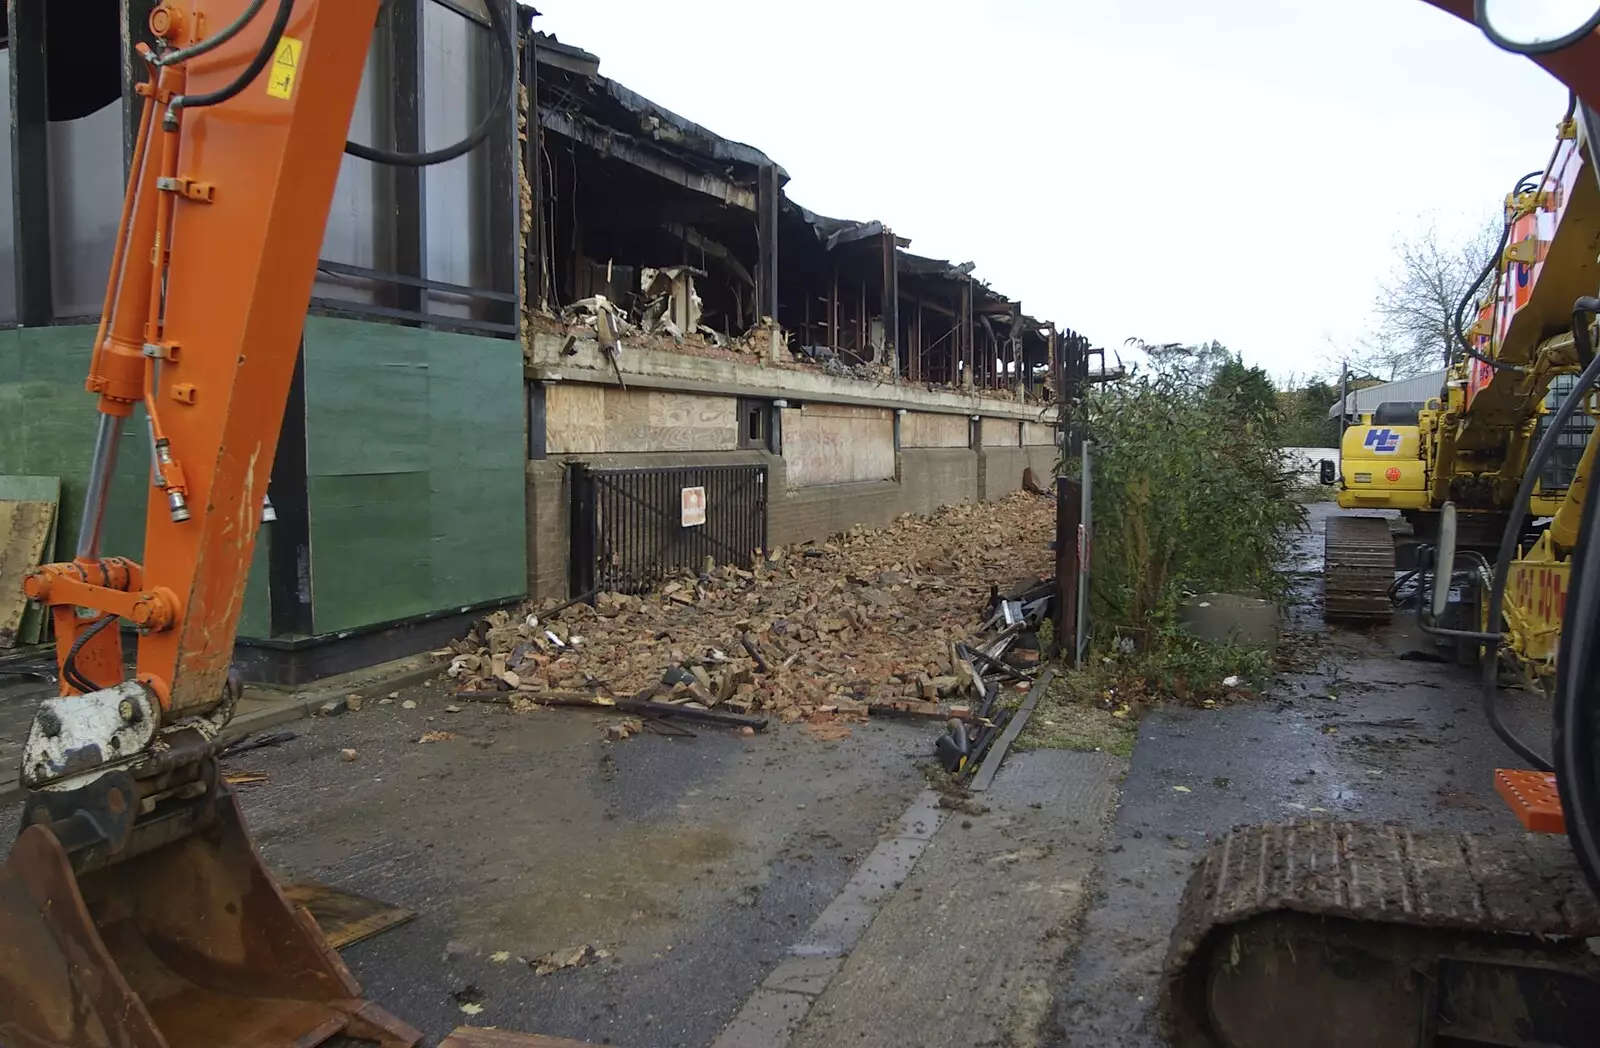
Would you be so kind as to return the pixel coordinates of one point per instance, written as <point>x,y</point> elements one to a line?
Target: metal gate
<point>630,527</point>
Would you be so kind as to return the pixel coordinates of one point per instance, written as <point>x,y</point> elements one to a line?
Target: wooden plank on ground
<point>345,917</point>
<point>997,753</point>
<point>27,530</point>
<point>476,1037</point>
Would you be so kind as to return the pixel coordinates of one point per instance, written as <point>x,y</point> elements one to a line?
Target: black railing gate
<point>630,527</point>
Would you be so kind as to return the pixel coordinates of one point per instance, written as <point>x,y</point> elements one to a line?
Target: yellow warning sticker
<point>285,65</point>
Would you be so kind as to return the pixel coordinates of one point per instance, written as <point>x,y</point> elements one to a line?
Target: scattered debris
<point>625,729</point>
<point>452,708</point>
<point>827,730</point>
<point>438,736</point>
<point>1181,789</point>
<point>871,621</point>
<point>256,742</point>
<point>500,956</point>
<point>409,704</point>
<point>347,754</point>
<point>556,960</point>
<point>469,999</point>
<point>244,778</point>
<point>353,703</point>
<point>332,708</point>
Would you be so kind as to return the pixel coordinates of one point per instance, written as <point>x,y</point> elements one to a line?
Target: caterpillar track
<point>1357,570</point>
<point>1320,934</point>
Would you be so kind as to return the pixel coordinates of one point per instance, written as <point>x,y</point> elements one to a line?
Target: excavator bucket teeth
<point>190,944</point>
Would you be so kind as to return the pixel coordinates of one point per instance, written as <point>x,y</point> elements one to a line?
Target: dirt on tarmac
<point>685,870</point>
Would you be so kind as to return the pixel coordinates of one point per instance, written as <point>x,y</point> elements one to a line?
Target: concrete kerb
<point>367,683</point>
<point>775,1011</point>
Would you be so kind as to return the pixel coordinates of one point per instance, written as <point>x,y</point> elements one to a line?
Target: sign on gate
<point>693,503</point>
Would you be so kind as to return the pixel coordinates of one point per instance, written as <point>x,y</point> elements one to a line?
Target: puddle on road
<point>628,888</point>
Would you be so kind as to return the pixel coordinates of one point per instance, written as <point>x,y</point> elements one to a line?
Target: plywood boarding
<point>1000,433</point>
<point>836,444</point>
<point>1035,433</point>
<point>415,451</point>
<point>922,429</point>
<point>27,531</point>
<point>589,419</point>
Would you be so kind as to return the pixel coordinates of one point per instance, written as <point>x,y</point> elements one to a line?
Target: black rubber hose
<point>69,665</point>
<point>1576,739</point>
<point>263,55</point>
<point>1582,310</point>
<point>503,90</point>
<point>211,43</point>
<point>1505,234</point>
<point>1491,265</point>
<point>1508,548</point>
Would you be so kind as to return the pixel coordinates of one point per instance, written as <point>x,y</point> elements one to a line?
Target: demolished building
<point>604,345</point>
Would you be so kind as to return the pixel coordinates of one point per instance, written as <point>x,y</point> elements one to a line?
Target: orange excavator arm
<point>134,909</point>
<point>210,282</point>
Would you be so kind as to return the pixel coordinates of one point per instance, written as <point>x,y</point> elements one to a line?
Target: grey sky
<point>1177,171</point>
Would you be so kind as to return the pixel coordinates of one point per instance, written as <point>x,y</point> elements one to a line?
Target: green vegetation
<point>1189,492</point>
<point>1190,496</point>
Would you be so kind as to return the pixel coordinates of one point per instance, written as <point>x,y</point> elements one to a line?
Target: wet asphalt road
<point>1363,736</point>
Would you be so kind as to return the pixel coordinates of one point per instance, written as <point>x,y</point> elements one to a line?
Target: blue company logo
<point>1382,441</point>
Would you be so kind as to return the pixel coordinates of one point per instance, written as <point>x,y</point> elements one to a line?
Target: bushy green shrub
<point>1189,493</point>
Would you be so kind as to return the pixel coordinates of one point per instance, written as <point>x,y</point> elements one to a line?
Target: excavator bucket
<point>189,943</point>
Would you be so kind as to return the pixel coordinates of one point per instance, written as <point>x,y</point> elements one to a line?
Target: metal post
<point>411,227</point>
<point>30,163</point>
<point>101,468</point>
<point>891,303</point>
<point>1085,555</point>
<point>768,193</point>
<point>1344,401</point>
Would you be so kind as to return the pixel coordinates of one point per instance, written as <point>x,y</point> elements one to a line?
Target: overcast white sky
<point>1172,170</point>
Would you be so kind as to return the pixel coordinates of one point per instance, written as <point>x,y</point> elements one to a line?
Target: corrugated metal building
<point>1418,388</point>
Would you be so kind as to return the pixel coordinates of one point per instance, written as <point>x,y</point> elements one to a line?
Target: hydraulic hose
<point>69,665</point>
<point>1505,234</point>
<point>263,55</point>
<point>504,83</point>
<point>216,40</point>
<point>1508,548</point>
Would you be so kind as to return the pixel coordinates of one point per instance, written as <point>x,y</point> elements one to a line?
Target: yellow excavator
<point>1323,933</point>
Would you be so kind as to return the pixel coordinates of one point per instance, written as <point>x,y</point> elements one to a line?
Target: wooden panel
<point>921,429</point>
<point>832,444</point>
<point>1036,433</point>
<point>344,917</point>
<point>588,419</point>
<point>575,419</point>
<point>1001,433</point>
<point>25,531</point>
<point>34,489</point>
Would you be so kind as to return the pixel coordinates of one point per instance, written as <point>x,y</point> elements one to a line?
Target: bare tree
<point>1416,304</point>
<point>1381,355</point>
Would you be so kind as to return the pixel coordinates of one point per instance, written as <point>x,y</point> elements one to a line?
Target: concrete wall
<point>927,479</point>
